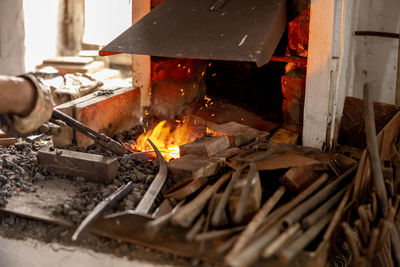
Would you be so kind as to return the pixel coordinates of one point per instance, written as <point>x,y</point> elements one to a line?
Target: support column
<point>141,66</point>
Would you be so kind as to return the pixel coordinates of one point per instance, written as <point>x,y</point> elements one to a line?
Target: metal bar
<point>244,196</point>
<point>316,199</point>
<point>277,244</point>
<point>372,147</point>
<point>376,33</point>
<point>323,209</point>
<point>186,215</point>
<point>155,187</point>
<point>104,205</point>
<point>219,212</point>
<point>256,221</point>
<point>217,233</point>
<point>300,243</point>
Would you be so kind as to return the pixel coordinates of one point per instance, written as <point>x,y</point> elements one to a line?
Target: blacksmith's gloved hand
<point>15,125</point>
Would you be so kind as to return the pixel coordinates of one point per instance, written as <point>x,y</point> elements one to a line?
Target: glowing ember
<point>168,138</point>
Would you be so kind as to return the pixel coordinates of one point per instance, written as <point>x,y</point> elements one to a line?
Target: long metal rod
<point>188,213</point>
<point>299,244</point>
<point>219,212</point>
<point>372,147</point>
<point>316,199</point>
<point>154,189</point>
<point>308,221</point>
<point>104,205</point>
<point>256,221</point>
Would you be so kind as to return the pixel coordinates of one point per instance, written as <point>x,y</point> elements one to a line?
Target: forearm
<point>17,96</point>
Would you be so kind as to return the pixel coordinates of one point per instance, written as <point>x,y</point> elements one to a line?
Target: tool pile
<point>236,196</point>
<point>229,210</point>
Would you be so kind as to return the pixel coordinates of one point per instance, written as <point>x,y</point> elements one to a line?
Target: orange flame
<point>168,138</point>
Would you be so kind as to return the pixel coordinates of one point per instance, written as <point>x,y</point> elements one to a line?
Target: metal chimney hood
<point>236,30</point>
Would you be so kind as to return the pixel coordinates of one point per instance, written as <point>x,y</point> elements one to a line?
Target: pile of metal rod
<point>373,235</point>
<point>286,231</point>
<point>282,227</point>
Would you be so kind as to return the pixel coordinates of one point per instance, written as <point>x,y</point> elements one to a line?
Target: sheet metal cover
<point>241,30</point>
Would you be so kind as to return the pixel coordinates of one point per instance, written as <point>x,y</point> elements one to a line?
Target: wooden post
<point>317,102</point>
<point>141,64</point>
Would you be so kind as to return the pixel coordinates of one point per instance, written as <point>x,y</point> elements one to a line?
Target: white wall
<point>12,35</point>
<point>377,56</point>
<point>339,62</point>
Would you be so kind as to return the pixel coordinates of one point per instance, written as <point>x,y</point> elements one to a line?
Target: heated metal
<point>237,30</point>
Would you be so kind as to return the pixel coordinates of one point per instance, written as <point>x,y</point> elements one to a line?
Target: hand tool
<point>144,205</point>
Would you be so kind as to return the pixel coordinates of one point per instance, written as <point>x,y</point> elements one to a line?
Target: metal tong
<point>144,205</point>
<point>101,139</point>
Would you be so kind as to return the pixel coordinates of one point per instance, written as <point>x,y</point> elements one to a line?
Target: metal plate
<point>239,31</point>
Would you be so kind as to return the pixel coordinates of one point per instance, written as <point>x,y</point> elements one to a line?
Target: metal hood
<point>237,30</point>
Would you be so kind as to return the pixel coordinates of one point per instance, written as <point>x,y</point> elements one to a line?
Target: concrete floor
<point>32,253</point>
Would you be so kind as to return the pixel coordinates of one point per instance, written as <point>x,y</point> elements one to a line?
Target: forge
<point>226,144</point>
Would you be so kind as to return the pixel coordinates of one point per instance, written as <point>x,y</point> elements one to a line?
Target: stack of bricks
<point>294,81</point>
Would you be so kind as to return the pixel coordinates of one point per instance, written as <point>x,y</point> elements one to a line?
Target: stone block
<point>94,168</point>
<point>238,134</point>
<point>193,166</point>
<point>205,146</point>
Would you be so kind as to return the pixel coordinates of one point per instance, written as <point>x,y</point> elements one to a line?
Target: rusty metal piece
<point>249,254</point>
<point>158,223</point>
<point>185,188</point>
<point>283,238</point>
<point>256,221</point>
<point>373,241</point>
<point>372,147</point>
<point>95,168</point>
<point>217,233</point>
<point>271,228</point>
<point>222,249</point>
<point>103,206</point>
<point>219,213</point>
<point>238,217</point>
<point>195,228</point>
<point>101,139</point>
<point>361,233</point>
<point>351,241</point>
<point>154,189</point>
<point>288,253</point>
<point>186,215</point>
<point>374,205</point>
<point>308,221</point>
<point>317,199</point>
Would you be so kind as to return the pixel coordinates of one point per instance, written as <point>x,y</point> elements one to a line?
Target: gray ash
<point>18,168</point>
<point>20,171</point>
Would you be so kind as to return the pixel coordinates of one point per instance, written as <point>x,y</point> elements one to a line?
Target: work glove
<point>14,125</point>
